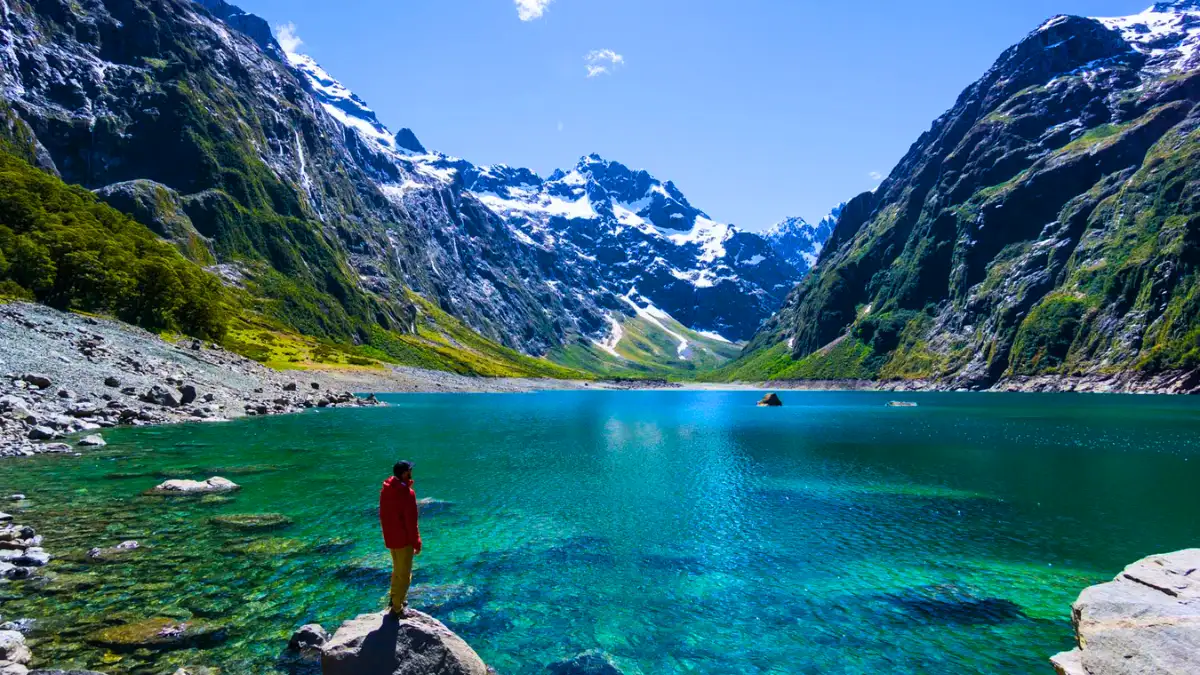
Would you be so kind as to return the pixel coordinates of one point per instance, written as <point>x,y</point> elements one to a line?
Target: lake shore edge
<point>65,374</point>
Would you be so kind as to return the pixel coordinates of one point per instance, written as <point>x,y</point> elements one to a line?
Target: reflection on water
<point>685,532</point>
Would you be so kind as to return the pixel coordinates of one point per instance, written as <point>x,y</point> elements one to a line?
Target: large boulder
<point>191,487</point>
<point>418,644</point>
<point>1144,622</point>
<point>159,395</point>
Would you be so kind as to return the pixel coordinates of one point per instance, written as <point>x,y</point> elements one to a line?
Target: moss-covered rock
<point>253,521</point>
<point>159,634</point>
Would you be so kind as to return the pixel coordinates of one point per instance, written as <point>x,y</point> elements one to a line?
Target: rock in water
<point>93,441</point>
<point>1144,622</point>
<point>311,636</point>
<point>373,644</point>
<point>214,484</point>
<point>588,663</point>
<point>770,401</point>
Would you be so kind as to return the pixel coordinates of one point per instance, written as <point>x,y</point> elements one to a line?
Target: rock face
<point>373,644</point>
<point>1044,226</point>
<point>1144,622</point>
<point>214,484</point>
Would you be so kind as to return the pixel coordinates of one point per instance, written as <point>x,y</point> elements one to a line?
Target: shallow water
<point>682,532</point>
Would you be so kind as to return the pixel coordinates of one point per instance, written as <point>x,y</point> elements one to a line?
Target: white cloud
<point>875,175</point>
<point>602,62</point>
<point>285,34</point>
<point>528,10</point>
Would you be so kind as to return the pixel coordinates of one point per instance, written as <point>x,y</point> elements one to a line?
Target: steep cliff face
<point>1046,224</point>
<point>258,163</point>
<point>212,136</point>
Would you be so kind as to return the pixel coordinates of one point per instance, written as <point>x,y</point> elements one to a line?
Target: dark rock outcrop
<point>418,644</point>
<point>770,401</point>
<point>1144,622</point>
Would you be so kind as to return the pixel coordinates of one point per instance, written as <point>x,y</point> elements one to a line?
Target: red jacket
<point>398,514</point>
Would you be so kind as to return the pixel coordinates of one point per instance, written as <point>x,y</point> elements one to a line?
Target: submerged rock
<point>1146,621</point>
<point>93,441</point>
<point>594,662</point>
<point>770,401</point>
<point>253,521</point>
<point>159,634</point>
<point>418,644</point>
<point>214,484</point>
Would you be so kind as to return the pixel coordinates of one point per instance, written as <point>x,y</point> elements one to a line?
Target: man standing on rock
<point>398,516</point>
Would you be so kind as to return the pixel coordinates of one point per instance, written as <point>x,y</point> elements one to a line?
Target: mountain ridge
<point>1042,227</point>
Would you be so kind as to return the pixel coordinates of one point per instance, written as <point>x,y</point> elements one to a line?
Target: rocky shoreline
<point>1147,620</point>
<point>64,374</point>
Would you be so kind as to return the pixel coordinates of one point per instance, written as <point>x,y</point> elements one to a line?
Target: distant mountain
<point>1048,225</point>
<point>799,242</point>
<point>608,239</point>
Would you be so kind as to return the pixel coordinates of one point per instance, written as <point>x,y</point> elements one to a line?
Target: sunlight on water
<point>686,532</point>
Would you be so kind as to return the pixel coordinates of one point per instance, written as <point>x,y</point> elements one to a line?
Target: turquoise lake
<point>681,532</point>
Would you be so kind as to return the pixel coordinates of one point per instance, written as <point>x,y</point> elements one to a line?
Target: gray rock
<point>111,381</point>
<point>588,663</point>
<point>93,441</point>
<point>159,395</point>
<point>82,409</point>
<point>64,672</point>
<point>7,668</point>
<point>188,393</point>
<point>42,433</point>
<point>290,386</point>
<point>214,484</point>
<point>22,626</point>
<point>1144,622</point>
<point>66,393</point>
<point>12,647</point>
<point>33,557</point>
<point>16,497</point>
<point>418,644</point>
<point>309,637</point>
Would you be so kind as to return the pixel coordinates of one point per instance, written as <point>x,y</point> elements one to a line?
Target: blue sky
<point>757,109</point>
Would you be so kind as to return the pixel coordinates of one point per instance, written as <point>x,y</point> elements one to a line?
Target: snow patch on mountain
<point>1168,33</point>
<point>599,224</point>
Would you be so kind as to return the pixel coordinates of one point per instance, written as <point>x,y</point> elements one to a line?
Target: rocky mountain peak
<point>407,140</point>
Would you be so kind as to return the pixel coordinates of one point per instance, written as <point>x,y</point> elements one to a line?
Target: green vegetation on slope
<point>61,246</point>
<point>650,348</point>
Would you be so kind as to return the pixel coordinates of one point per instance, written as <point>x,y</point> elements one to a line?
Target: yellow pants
<point>402,564</point>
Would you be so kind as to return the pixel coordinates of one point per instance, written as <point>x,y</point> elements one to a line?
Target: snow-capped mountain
<point>609,240</point>
<point>799,242</point>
